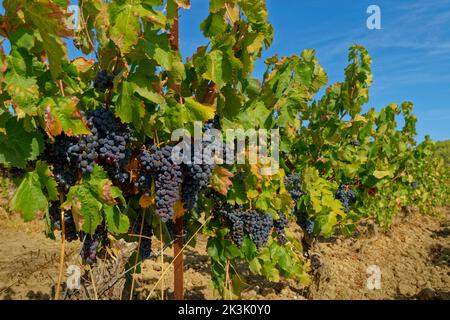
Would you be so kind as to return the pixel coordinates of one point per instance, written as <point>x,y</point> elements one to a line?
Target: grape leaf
<point>17,145</point>
<point>198,111</point>
<point>129,108</point>
<point>32,187</point>
<point>220,180</point>
<point>61,114</point>
<point>117,222</point>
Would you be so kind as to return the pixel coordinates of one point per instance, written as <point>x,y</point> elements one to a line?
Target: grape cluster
<point>113,136</point>
<point>280,226</point>
<point>346,196</point>
<point>70,231</point>
<point>118,172</point>
<point>89,250</point>
<point>83,152</point>
<point>167,176</point>
<point>107,143</point>
<point>103,81</point>
<point>196,177</point>
<point>305,223</point>
<point>200,169</point>
<point>57,155</point>
<point>145,248</point>
<point>91,243</point>
<point>259,226</point>
<point>309,226</point>
<point>294,186</point>
<point>235,215</point>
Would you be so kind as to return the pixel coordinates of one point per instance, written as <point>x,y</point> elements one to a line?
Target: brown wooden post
<point>178,263</point>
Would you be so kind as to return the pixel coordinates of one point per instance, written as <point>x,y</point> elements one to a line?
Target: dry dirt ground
<point>413,259</point>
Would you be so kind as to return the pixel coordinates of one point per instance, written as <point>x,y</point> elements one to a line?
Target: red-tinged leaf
<point>106,193</point>
<point>61,114</point>
<point>3,65</point>
<point>185,4</point>
<point>83,64</point>
<point>220,180</point>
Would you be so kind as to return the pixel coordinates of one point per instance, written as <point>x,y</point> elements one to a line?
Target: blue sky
<point>411,53</point>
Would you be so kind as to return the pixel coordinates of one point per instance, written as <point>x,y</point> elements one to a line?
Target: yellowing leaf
<point>146,201</point>
<point>198,111</point>
<point>380,174</point>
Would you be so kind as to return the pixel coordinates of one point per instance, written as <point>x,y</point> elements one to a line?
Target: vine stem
<point>61,258</point>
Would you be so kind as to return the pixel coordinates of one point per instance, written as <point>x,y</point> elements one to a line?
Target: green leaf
<point>214,25</point>
<point>129,108</point>
<point>125,26</point>
<point>46,180</point>
<point>86,209</point>
<point>49,18</point>
<point>248,248</point>
<point>29,198</point>
<point>215,249</point>
<point>255,266</point>
<point>217,68</point>
<point>117,222</point>
<point>17,146</point>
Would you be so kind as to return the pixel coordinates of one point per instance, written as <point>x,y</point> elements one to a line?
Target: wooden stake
<point>174,39</point>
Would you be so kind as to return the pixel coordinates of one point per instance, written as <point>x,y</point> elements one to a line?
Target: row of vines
<point>88,140</point>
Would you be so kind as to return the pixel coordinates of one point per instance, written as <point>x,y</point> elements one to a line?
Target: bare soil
<point>413,259</point>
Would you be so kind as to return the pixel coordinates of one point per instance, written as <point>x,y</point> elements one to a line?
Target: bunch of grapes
<point>346,196</point>
<point>294,186</point>
<point>309,227</point>
<point>200,169</point>
<point>91,244</point>
<point>113,136</point>
<point>235,215</point>
<point>280,226</point>
<point>83,152</point>
<point>196,178</point>
<point>305,223</point>
<point>57,155</point>
<point>167,176</point>
<point>118,172</point>
<point>107,143</point>
<point>259,226</point>
<point>145,248</point>
<point>70,231</point>
<point>103,81</point>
